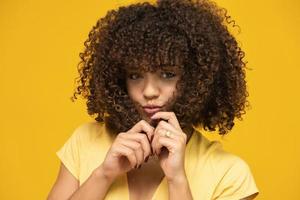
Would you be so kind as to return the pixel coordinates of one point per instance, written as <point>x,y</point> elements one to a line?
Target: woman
<point>154,74</point>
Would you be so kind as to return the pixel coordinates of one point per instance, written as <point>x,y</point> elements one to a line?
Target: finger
<point>128,153</point>
<point>169,143</point>
<point>143,126</point>
<point>143,139</point>
<point>180,137</point>
<point>154,141</point>
<point>169,116</point>
<point>136,147</point>
<point>167,126</point>
<point>160,133</point>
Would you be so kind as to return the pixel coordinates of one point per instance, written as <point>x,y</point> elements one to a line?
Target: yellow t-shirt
<point>212,173</point>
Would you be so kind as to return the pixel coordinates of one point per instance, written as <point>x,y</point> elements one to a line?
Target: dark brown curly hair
<point>191,34</point>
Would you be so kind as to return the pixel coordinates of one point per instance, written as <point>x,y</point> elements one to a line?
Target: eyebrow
<point>133,70</point>
<point>172,68</point>
<point>163,68</point>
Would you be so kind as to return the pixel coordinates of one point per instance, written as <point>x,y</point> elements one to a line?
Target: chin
<point>148,119</point>
<point>152,122</point>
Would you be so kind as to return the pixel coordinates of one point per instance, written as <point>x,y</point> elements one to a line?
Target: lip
<point>151,106</point>
<point>151,110</point>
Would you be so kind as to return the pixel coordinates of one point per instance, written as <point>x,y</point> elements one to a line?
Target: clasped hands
<point>168,134</point>
<point>132,148</point>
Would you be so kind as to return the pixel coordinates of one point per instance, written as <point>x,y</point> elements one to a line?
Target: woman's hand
<point>129,150</point>
<point>171,157</point>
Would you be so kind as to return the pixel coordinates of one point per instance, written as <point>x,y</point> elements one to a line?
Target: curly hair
<point>191,34</point>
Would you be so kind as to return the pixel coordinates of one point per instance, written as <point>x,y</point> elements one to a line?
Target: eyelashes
<point>164,75</point>
<point>168,74</point>
<point>133,76</point>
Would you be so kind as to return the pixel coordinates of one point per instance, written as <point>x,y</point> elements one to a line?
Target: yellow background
<point>40,43</point>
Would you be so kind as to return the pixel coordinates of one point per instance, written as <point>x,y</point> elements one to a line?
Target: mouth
<point>151,110</point>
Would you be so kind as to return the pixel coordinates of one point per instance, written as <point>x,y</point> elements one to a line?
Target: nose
<point>151,88</point>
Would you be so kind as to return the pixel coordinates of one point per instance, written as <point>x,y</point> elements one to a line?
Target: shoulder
<point>88,127</point>
<point>88,130</point>
<point>226,164</point>
<point>234,178</point>
<point>230,167</point>
<point>229,175</point>
<point>87,133</point>
<point>219,158</point>
<point>227,161</point>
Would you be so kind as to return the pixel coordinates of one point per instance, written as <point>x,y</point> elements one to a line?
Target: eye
<point>168,74</point>
<point>133,76</point>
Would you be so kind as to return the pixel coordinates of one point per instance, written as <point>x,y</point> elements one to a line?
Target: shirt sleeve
<point>237,183</point>
<point>69,154</point>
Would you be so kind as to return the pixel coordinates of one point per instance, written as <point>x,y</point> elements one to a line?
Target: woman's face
<point>152,92</point>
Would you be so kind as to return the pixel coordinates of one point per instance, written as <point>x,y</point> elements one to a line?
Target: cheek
<point>172,94</point>
<point>171,90</point>
<point>132,92</point>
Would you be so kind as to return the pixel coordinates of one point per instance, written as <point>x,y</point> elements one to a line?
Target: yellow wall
<point>39,46</point>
